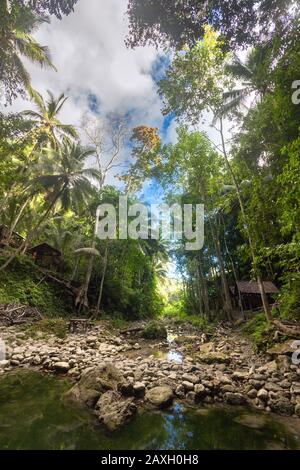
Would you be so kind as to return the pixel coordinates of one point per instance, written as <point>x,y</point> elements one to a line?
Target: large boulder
<point>235,399</point>
<point>61,367</point>
<point>155,330</point>
<point>213,358</point>
<point>94,382</point>
<point>207,348</point>
<point>160,397</point>
<point>282,348</point>
<point>282,406</point>
<point>114,411</point>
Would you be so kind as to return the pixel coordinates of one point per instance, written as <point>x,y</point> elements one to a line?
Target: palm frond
<point>31,49</point>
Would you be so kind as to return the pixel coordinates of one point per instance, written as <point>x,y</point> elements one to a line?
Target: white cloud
<point>88,50</point>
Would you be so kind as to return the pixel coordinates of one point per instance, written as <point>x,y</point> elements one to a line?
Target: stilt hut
<point>249,293</point>
<point>45,255</point>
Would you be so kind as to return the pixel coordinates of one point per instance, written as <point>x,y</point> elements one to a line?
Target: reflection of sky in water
<point>33,416</point>
<point>172,355</point>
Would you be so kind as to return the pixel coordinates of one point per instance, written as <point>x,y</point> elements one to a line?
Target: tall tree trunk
<point>17,219</point>
<point>75,269</point>
<point>204,290</point>
<point>233,270</point>
<point>199,292</point>
<point>102,280</point>
<point>226,291</point>
<point>82,297</point>
<point>264,298</point>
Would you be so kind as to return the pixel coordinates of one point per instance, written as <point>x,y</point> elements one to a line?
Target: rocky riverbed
<point>114,373</point>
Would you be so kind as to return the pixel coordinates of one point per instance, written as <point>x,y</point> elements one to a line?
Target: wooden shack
<point>249,293</point>
<point>45,255</point>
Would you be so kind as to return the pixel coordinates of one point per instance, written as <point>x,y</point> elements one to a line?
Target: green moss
<point>290,297</point>
<point>259,331</point>
<point>155,330</point>
<point>24,284</point>
<point>54,326</point>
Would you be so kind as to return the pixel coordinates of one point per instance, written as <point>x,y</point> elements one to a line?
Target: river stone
<point>4,363</point>
<point>263,394</point>
<point>251,421</point>
<point>160,396</point>
<point>282,348</point>
<point>240,375</point>
<point>61,367</point>
<point>207,348</point>
<point>282,406</point>
<point>188,386</point>
<point>252,393</point>
<point>114,411</point>
<point>272,387</point>
<point>235,398</point>
<point>283,363</point>
<point>228,388</point>
<point>190,378</point>
<point>200,391</point>
<point>213,358</point>
<point>180,391</point>
<point>126,388</point>
<point>94,382</point>
<point>191,397</point>
<point>139,389</point>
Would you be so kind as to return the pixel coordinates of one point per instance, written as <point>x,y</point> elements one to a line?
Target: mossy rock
<point>213,358</point>
<point>155,330</point>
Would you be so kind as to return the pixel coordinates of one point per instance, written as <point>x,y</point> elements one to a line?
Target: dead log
<point>136,329</point>
<point>289,329</point>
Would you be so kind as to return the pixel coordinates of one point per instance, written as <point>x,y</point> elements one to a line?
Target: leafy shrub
<point>23,284</point>
<point>258,330</point>
<point>290,297</point>
<point>155,330</point>
<point>54,326</point>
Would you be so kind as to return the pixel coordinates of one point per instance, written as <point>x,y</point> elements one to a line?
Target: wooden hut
<point>45,255</point>
<point>249,293</point>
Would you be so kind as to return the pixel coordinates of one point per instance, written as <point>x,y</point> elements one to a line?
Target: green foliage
<point>290,297</point>
<point>46,327</point>
<point>195,80</point>
<point>23,284</point>
<point>155,330</point>
<point>163,22</point>
<point>176,311</point>
<point>258,330</point>
<point>17,43</point>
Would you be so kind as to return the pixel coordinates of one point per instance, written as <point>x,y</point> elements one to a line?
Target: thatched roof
<point>249,287</point>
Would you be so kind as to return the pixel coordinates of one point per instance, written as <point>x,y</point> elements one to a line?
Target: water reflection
<point>33,416</point>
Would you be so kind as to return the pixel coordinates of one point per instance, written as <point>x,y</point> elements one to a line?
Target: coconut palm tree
<point>49,129</point>
<point>17,25</point>
<point>65,182</point>
<point>63,176</point>
<point>251,75</point>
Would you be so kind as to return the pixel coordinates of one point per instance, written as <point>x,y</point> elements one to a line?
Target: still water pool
<point>33,416</point>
